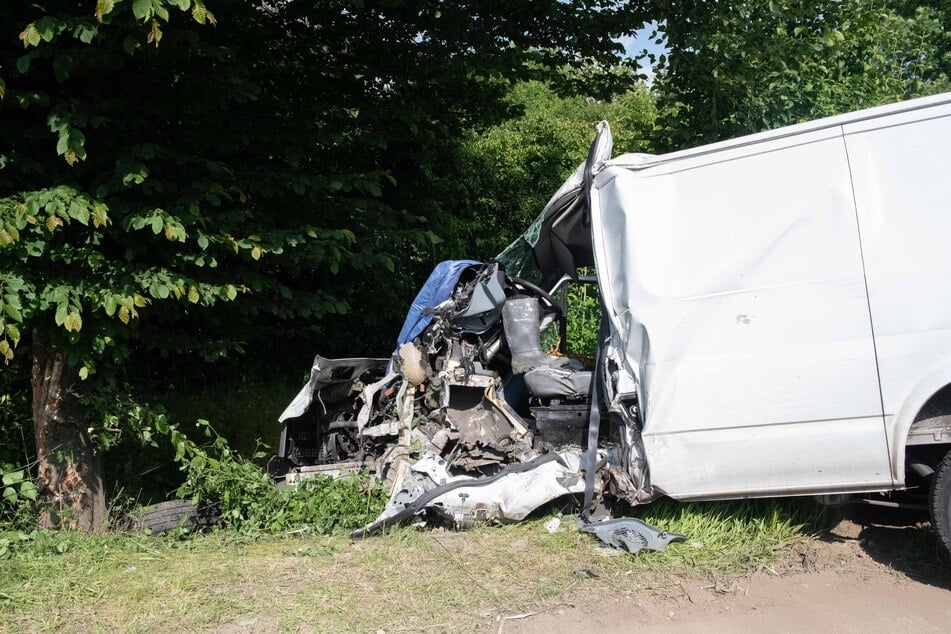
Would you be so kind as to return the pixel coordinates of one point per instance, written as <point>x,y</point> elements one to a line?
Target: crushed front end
<point>470,420</point>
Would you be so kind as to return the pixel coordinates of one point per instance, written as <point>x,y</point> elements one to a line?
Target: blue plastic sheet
<point>436,290</point>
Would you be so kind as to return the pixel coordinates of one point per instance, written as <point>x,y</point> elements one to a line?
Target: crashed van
<point>776,322</point>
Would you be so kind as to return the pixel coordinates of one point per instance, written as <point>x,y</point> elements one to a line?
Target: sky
<point>638,41</point>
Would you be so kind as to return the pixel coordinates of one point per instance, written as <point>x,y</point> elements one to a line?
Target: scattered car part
<point>632,534</point>
<point>510,495</point>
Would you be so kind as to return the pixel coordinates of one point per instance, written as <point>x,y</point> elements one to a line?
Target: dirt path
<point>862,578</point>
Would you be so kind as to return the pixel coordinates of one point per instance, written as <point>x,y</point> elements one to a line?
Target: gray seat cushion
<point>558,383</point>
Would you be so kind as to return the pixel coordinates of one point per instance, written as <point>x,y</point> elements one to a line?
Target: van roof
<point>640,161</point>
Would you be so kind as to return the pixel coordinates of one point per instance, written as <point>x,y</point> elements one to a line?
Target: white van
<point>776,313</point>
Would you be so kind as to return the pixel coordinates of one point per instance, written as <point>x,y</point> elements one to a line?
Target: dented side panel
<point>737,294</point>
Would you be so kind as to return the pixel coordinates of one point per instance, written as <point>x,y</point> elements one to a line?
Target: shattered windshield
<point>518,258</point>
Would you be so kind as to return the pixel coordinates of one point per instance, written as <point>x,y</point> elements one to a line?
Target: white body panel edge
<point>751,336</point>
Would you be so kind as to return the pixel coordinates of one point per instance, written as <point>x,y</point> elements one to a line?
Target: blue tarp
<point>436,290</point>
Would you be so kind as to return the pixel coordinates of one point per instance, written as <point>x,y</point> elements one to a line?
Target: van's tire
<point>161,518</point>
<point>940,503</point>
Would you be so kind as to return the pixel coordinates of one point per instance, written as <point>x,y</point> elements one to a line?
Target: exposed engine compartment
<point>469,420</point>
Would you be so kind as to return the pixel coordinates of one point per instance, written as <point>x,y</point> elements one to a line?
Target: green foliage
<point>740,67</point>
<point>243,409</point>
<point>503,175</point>
<point>31,543</point>
<point>18,506</point>
<point>169,189</point>
<point>583,320</point>
<point>251,503</point>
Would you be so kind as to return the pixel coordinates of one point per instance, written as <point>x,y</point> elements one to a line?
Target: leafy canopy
<point>733,68</point>
<point>198,181</point>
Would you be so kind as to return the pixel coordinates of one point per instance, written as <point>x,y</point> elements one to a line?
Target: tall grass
<point>403,579</point>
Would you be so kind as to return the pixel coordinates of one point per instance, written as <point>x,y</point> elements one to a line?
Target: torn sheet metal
<point>632,534</point>
<point>462,502</point>
<point>446,424</point>
<point>328,377</point>
<point>451,424</point>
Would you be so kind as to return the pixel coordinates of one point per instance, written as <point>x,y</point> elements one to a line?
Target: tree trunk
<point>69,473</point>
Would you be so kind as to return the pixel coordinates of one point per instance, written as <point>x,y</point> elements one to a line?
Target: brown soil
<point>869,574</point>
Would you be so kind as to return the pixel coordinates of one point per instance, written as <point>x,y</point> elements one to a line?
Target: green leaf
<point>157,225</point>
<point>48,28</point>
<point>79,211</point>
<point>13,333</point>
<point>30,36</point>
<point>160,10</point>
<point>62,145</point>
<point>110,304</point>
<point>231,292</point>
<point>23,63</point>
<point>85,33</point>
<point>199,12</point>
<point>62,310</point>
<point>13,312</point>
<point>10,495</point>
<point>14,477</point>
<point>142,9</point>
<point>28,490</point>
<point>103,8</point>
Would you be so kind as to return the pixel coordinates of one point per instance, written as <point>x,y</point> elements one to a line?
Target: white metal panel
<point>735,280</point>
<point>727,463</point>
<point>901,168</point>
<point>854,120</point>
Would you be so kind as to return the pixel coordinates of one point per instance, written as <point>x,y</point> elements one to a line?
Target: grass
<point>405,579</point>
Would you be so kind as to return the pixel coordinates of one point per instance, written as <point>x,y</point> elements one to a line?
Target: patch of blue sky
<point>640,40</point>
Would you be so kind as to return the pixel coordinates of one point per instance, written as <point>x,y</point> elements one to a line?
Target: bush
<point>251,503</point>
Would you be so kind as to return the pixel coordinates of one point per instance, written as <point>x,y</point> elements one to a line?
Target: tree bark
<point>69,473</point>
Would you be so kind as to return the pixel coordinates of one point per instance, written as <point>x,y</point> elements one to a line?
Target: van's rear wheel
<point>941,502</point>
